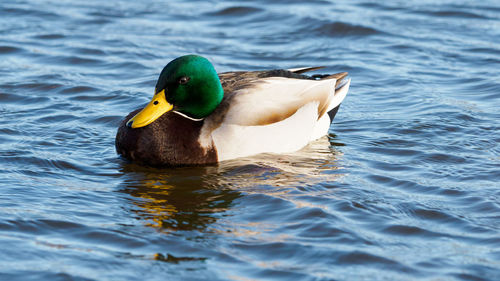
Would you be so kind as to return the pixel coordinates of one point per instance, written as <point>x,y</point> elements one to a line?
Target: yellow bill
<point>155,108</point>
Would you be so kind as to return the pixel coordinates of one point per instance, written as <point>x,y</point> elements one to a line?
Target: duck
<point>198,116</point>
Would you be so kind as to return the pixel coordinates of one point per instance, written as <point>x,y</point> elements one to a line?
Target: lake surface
<point>404,188</point>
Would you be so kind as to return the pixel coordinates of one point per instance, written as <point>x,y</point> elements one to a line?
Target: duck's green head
<point>188,85</point>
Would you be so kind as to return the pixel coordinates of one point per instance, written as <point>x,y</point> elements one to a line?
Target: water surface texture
<point>404,188</point>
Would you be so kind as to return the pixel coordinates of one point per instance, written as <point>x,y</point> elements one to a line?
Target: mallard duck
<point>199,117</point>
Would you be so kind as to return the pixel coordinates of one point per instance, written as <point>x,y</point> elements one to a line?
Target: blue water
<point>404,188</point>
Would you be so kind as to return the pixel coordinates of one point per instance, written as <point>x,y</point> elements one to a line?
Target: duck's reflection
<point>178,198</point>
<point>192,198</point>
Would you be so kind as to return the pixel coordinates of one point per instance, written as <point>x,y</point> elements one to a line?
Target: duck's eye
<point>183,80</point>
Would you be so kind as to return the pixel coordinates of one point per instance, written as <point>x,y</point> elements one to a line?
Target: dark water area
<point>404,188</point>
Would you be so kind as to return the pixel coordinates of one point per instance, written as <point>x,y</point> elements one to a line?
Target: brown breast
<point>171,140</point>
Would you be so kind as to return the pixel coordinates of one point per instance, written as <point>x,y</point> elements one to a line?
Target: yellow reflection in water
<point>176,198</point>
<point>156,205</point>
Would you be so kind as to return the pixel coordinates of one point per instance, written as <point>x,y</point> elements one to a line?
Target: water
<point>405,187</point>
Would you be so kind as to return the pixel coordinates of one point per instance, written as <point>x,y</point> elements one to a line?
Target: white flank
<point>291,134</point>
<point>321,127</point>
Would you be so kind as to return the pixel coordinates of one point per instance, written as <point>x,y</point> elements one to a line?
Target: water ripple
<point>339,29</point>
<point>236,11</point>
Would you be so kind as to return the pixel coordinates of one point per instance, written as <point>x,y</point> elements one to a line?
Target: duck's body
<point>273,111</point>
